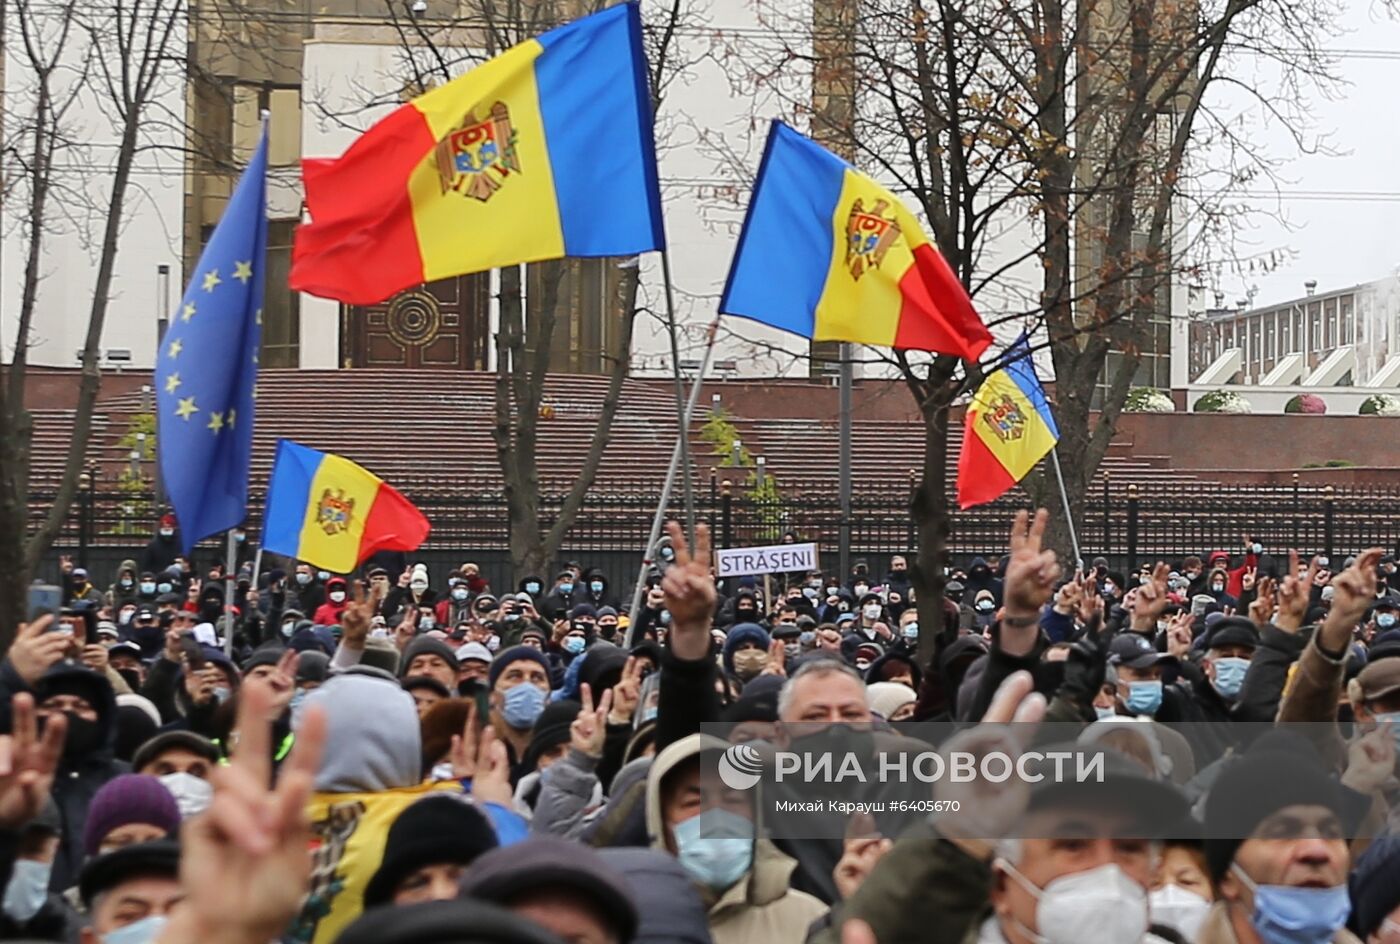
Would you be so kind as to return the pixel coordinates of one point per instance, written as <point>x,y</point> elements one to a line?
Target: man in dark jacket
<point>161,552</point>
<point>88,761</point>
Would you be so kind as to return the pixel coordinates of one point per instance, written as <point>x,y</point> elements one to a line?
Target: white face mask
<point>1097,906</point>
<point>871,611</point>
<point>192,794</point>
<point>1179,909</point>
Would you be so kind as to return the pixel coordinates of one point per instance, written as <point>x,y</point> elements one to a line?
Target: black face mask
<point>83,737</point>
<point>744,613</point>
<point>132,678</point>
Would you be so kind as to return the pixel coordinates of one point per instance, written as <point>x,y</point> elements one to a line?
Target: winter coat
<point>160,553</point>
<point>568,793</point>
<point>78,778</point>
<point>759,908</point>
<point>119,596</point>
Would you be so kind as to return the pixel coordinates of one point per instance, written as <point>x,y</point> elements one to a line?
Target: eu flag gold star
<point>186,409</point>
<point>188,311</point>
<point>211,279</point>
<point>172,383</point>
<point>176,347</point>
<point>216,421</point>
<point>243,271</point>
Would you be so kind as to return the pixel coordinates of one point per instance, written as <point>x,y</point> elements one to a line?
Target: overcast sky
<point>1341,211</point>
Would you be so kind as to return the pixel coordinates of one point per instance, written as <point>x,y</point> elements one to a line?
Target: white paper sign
<point>774,559</point>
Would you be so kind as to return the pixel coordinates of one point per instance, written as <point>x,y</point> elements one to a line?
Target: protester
<point>462,757</point>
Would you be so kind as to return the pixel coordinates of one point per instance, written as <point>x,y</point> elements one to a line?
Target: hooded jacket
<point>980,577</point>
<point>761,907</point>
<point>328,613</point>
<point>80,776</point>
<point>369,774</point>
<point>119,596</point>
<point>585,594</point>
<point>739,634</point>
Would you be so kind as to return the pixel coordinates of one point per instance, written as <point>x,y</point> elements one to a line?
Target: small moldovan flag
<point>207,367</point>
<point>543,152</point>
<point>332,513</point>
<point>828,253</point>
<point>1007,430</point>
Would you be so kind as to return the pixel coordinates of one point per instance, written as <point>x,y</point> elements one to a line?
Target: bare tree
<point>1020,128</point>
<point>123,55</point>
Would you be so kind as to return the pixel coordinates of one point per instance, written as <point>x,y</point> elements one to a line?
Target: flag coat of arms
<point>543,152</point>
<point>829,254</point>
<point>207,367</point>
<point>332,513</point>
<point>1007,430</point>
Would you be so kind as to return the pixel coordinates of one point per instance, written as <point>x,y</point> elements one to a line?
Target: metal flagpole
<point>1064,497</point>
<point>682,412</point>
<point>230,585</point>
<point>844,461</point>
<point>676,459</point>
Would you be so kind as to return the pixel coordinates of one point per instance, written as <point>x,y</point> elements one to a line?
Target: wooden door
<point>441,324</point>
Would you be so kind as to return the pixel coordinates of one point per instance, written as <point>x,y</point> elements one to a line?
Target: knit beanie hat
<point>436,829</point>
<point>551,729</point>
<point>514,654</point>
<point>427,645</point>
<point>129,798</point>
<point>1256,786</point>
<point>888,697</point>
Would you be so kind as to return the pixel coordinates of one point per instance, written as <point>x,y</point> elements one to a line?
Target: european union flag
<point>207,367</point>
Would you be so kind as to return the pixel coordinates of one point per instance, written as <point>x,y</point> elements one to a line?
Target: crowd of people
<point>381,759</point>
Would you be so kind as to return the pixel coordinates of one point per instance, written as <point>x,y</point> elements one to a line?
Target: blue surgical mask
<point>715,848</point>
<point>1385,620</point>
<point>323,575</point>
<point>566,588</point>
<point>1144,698</point>
<point>575,644</point>
<point>141,932</point>
<point>523,704</point>
<point>28,889</point>
<point>809,592</point>
<point>303,579</point>
<point>148,587</point>
<point>911,631</point>
<point>164,587</point>
<point>1284,914</point>
<point>222,693</point>
<point>1229,676</point>
<point>665,617</point>
<point>596,586</point>
<point>532,588</point>
<point>807,638</point>
<point>1103,714</point>
<point>460,593</point>
<point>647,714</point>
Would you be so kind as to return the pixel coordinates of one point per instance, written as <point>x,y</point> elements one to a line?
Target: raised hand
<point>1248,577</point>
<point>858,858</point>
<point>627,692</point>
<point>1031,572</point>
<point>690,594</point>
<point>1354,590</point>
<point>28,762</point>
<point>1294,594</point>
<point>987,810</point>
<point>777,659</point>
<point>1069,596</point>
<point>356,618</point>
<point>481,758</point>
<point>589,729</point>
<point>245,863</point>
<point>1261,610</point>
<point>36,649</point>
<point>1179,635</point>
<point>1370,759</point>
<point>1151,600</point>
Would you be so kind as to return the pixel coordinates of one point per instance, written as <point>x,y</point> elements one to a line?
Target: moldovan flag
<point>1007,430</point>
<point>543,152</point>
<point>828,253</point>
<point>331,513</point>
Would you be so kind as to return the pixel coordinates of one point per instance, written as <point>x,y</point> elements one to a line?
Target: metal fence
<point>1125,523</point>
